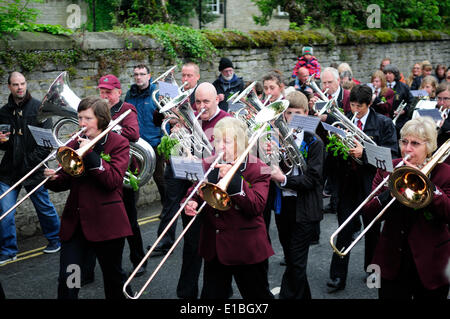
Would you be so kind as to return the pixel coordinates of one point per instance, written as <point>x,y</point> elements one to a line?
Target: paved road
<point>34,274</point>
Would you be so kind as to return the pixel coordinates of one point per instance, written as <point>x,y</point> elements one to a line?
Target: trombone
<point>70,160</point>
<point>409,185</point>
<point>173,220</point>
<point>214,195</point>
<point>49,157</point>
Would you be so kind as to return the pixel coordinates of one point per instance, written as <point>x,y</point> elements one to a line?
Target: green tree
<point>340,14</point>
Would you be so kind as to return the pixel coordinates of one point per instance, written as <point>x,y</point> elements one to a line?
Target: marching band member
<point>354,181</point>
<point>301,205</point>
<point>402,93</point>
<point>234,244</point>
<point>273,87</point>
<point>383,97</point>
<point>414,246</point>
<point>94,216</point>
<point>443,103</point>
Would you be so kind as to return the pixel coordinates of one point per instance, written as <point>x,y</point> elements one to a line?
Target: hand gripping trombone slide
<point>49,157</point>
<point>174,219</point>
<point>410,186</point>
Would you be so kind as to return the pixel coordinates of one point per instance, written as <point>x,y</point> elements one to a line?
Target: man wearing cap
<point>110,89</point>
<point>309,61</point>
<point>227,83</point>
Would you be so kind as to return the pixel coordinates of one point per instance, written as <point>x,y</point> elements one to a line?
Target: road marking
<point>26,254</point>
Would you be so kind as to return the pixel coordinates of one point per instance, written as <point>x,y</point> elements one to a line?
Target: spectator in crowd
<point>345,67</point>
<point>227,83</point>
<point>22,154</point>
<point>309,61</point>
<point>300,82</point>
<point>387,61</point>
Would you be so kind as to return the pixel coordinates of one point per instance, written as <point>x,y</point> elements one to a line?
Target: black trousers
<point>251,280</point>
<point>134,241</point>
<point>295,238</point>
<point>187,287</point>
<point>158,175</point>
<point>2,293</point>
<point>175,191</point>
<point>109,254</point>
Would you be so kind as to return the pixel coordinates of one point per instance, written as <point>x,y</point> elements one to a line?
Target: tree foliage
<point>340,14</point>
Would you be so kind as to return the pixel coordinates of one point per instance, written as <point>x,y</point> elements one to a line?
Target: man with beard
<point>227,83</point>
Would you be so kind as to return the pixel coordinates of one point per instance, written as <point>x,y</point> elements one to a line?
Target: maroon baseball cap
<point>109,82</point>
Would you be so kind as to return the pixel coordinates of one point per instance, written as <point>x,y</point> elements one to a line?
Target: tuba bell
<point>61,101</point>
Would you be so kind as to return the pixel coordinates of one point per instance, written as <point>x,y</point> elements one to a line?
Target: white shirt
<point>363,120</point>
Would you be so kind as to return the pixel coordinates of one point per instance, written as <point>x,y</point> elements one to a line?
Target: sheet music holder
<point>306,123</point>
<point>43,137</point>
<point>185,168</point>
<point>379,156</point>
<point>319,105</point>
<point>167,89</point>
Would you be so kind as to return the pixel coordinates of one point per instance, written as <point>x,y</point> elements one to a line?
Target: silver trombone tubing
<point>53,154</point>
<point>49,157</point>
<point>345,250</point>
<point>173,220</point>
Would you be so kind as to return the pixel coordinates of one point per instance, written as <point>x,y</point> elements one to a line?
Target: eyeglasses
<point>404,142</point>
<point>443,98</point>
<point>140,74</point>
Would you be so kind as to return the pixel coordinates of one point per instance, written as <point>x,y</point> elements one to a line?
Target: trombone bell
<point>411,187</point>
<point>70,161</point>
<point>216,197</point>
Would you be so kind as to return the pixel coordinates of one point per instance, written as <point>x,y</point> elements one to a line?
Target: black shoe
<point>335,285</point>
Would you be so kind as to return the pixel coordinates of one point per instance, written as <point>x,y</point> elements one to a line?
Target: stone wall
<point>101,53</point>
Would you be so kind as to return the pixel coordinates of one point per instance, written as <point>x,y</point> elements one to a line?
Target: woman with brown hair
<point>383,97</point>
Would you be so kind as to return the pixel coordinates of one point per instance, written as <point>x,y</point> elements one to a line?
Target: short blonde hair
<point>236,128</point>
<point>423,128</point>
<point>297,100</point>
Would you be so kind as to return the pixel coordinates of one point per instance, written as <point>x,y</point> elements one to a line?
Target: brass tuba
<point>61,101</point>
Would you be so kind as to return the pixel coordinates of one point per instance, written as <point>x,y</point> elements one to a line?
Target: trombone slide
<point>173,220</point>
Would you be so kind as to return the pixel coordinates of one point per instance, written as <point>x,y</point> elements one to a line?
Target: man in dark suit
<point>402,93</point>
<point>354,180</point>
<point>332,85</point>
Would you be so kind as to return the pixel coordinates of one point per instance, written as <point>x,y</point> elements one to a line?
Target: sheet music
<point>426,104</point>
<point>379,156</point>
<point>433,113</point>
<point>306,123</point>
<point>185,168</point>
<point>43,137</point>
<point>167,89</point>
<point>333,129</point>
<point>417,93</point>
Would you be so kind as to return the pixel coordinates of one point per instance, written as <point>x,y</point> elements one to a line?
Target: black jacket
<point>22,153</point>
<point>402,93</point>
<point>227,88</point>
<point>309,185</point>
